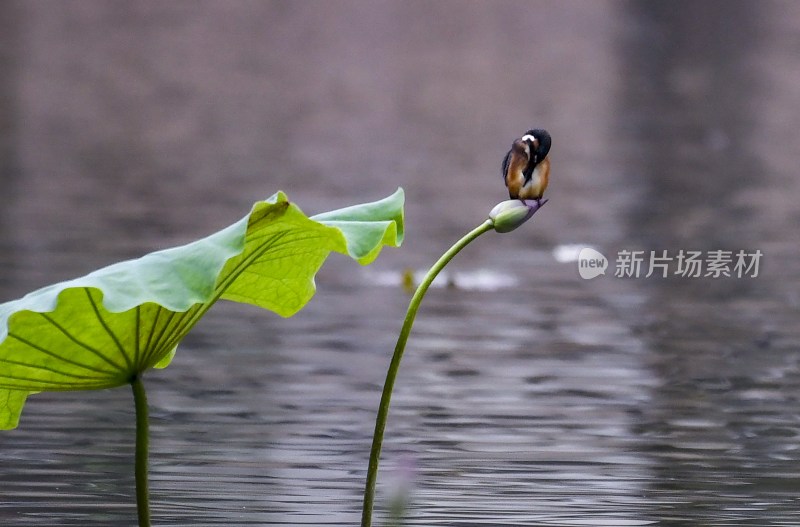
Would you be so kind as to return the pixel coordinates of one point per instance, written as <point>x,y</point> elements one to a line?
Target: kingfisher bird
<point>526,167</point>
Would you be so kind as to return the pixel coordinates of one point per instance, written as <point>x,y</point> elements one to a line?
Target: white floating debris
<point>569,252</point>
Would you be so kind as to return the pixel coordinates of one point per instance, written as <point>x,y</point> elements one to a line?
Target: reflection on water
<point>476,280</point>
<point>528,396</point>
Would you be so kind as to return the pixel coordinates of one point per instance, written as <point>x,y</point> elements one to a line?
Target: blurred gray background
<point>528,395</point>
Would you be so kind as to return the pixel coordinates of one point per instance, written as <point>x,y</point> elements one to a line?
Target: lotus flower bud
<point>510,214</point>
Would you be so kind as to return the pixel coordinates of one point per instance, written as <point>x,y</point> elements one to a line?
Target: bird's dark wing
<point>506,161</point>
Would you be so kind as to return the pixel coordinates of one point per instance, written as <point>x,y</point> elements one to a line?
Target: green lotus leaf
<point>105,328</point>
